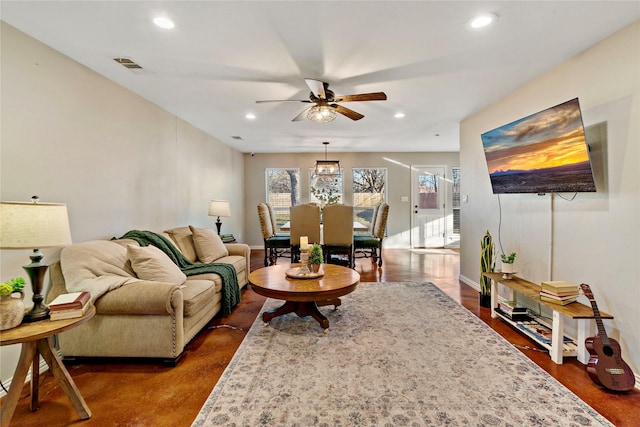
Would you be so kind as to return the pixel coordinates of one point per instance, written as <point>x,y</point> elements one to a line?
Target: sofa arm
<point>243,250</point>
<point>144,297</point>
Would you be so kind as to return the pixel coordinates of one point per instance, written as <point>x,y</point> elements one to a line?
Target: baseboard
<point>475,285</point>
<point>7,384</point>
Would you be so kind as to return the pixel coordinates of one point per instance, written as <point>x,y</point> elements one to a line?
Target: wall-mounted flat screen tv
<point>545,152</point>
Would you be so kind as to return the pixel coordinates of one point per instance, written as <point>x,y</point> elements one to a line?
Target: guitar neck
<point>602,333</point>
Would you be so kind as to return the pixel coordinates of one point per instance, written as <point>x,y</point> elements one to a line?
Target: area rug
<point>396,354</point>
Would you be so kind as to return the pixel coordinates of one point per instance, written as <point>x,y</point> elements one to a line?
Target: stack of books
<point>227,238</point>
<point>512,310</point>
<point>69,306</point>
<point>559,292</point>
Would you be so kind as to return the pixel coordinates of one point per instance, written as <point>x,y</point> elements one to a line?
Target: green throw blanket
<point>230,288</point>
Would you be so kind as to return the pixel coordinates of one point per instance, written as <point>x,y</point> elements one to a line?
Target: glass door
<point>428,225</point>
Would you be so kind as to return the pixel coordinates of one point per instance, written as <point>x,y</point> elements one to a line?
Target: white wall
<point>118,162</point>
<point>595,239</point>
<point>398,184</point>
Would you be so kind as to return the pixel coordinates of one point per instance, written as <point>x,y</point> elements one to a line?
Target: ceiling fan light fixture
<point>321,114</point>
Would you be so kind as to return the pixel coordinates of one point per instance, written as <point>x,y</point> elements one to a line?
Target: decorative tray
<point>296,273</point>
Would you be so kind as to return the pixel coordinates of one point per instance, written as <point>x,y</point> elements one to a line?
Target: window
<point>369,189</point>
<point>325,189</point>
<point>283,191</point>
<point>455,191</point>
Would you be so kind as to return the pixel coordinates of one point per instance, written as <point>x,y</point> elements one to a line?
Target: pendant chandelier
<point>326,167</point>
<point>321,113</point>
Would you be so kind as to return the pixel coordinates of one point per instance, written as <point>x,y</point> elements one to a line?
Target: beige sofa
<point>145,306</point>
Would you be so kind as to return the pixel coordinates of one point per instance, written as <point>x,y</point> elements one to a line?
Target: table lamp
<point>219,208</point>
<point>30,226</point>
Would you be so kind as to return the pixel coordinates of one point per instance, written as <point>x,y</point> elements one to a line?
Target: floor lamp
<point>219,208</point>
<point>34,226</point>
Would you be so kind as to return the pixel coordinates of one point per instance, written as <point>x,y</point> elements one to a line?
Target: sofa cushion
<point>183,240</point>
<point>150,263</point>
<point>199,293</point>
<point>209,246</point>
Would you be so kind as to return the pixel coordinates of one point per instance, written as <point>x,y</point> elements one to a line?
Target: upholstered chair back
<point>381,221</point>
<point>305,221</point>
<point>274,227</point>
<point>338,225</point>
<point>372,224</point>
<point>265,221</point>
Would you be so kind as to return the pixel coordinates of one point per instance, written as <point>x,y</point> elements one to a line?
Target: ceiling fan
<point>325,101</point>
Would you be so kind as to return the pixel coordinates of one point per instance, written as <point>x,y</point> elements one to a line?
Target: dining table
<point>357,226</point>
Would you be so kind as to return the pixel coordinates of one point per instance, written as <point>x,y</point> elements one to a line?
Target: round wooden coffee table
<point>303,296</point>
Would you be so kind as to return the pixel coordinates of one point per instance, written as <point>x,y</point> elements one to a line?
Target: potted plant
<point>11,306</point>
<point>315,257</point>
<point>507,262</point>
<point>487,264</point>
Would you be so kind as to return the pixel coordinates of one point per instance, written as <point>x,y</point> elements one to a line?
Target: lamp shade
<point>219,208</point>
<point>33,225</point>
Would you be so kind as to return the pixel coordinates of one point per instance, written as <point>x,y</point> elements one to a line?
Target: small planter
<point>507,268</point>
<point>11,311</point>
<point>315,268</point>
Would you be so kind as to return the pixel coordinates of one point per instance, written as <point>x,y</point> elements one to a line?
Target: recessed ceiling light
<point>164,22</point>
<point>399,115</point>
<point>483,20</point>
<point>250,116</point>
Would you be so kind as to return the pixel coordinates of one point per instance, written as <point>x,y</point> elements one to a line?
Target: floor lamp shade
<point>34,226</point>
<point>219,208</point>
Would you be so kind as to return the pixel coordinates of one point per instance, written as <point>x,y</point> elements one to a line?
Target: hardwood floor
<point>149,394</point>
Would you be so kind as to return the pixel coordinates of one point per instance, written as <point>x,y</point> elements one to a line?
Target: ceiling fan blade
<point>317,87</point>
<point>284,100</point>
<point>347,112</point>
<point>301,116</point>
<point>375,96</point>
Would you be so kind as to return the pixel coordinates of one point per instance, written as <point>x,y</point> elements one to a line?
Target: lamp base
<point>36,271</point>
<point>218,225</point>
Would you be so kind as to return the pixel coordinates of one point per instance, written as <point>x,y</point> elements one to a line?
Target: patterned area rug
<point>396,354</point>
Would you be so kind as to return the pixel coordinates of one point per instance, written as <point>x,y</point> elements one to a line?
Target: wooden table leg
<point>45,346</point>
<point>302,309</point>
<point>27,353</point>
<point>35,382</point>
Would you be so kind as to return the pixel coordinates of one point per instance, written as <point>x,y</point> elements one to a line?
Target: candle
<point>304,243</point>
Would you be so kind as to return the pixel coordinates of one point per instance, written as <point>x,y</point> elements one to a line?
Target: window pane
<point>428,191</point>
<point>283,191</point>
<point>369,189</point>
<point>456,200</point>
<point>325,190</point>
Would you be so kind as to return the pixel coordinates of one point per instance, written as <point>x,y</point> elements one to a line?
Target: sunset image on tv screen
<point>542,153</point>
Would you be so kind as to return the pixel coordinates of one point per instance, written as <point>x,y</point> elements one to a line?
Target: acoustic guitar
<point>606,367</point>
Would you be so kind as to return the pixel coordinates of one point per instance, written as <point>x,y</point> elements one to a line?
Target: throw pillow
<point>183,240</point>
<point>209,246</point>
<point>150,263</point>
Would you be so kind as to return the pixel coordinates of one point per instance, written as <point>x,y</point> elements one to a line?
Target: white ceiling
<point>224,55</point>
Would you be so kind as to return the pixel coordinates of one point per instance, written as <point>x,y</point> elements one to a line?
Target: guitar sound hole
<point>607,350</point>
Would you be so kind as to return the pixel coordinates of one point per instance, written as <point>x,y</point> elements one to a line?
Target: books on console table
<point>69,306</point>
<point>559,292</point>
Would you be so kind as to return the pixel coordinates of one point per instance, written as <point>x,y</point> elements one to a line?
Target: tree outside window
<point>283,191</point>
<point>369,189</point>
<point>325,190</point>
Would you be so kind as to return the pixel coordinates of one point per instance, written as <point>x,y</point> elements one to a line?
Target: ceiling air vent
<point>127,63</point>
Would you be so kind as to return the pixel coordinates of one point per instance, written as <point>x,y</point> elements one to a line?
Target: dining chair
<point>305,221</point>
<point>371,246</point>
<point>274,245</point>
<point>337,232</point>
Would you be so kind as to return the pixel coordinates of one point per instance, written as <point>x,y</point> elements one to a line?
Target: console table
<point>575,310</point>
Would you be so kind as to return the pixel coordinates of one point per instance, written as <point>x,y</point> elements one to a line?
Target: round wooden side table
<point>37,339</point>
